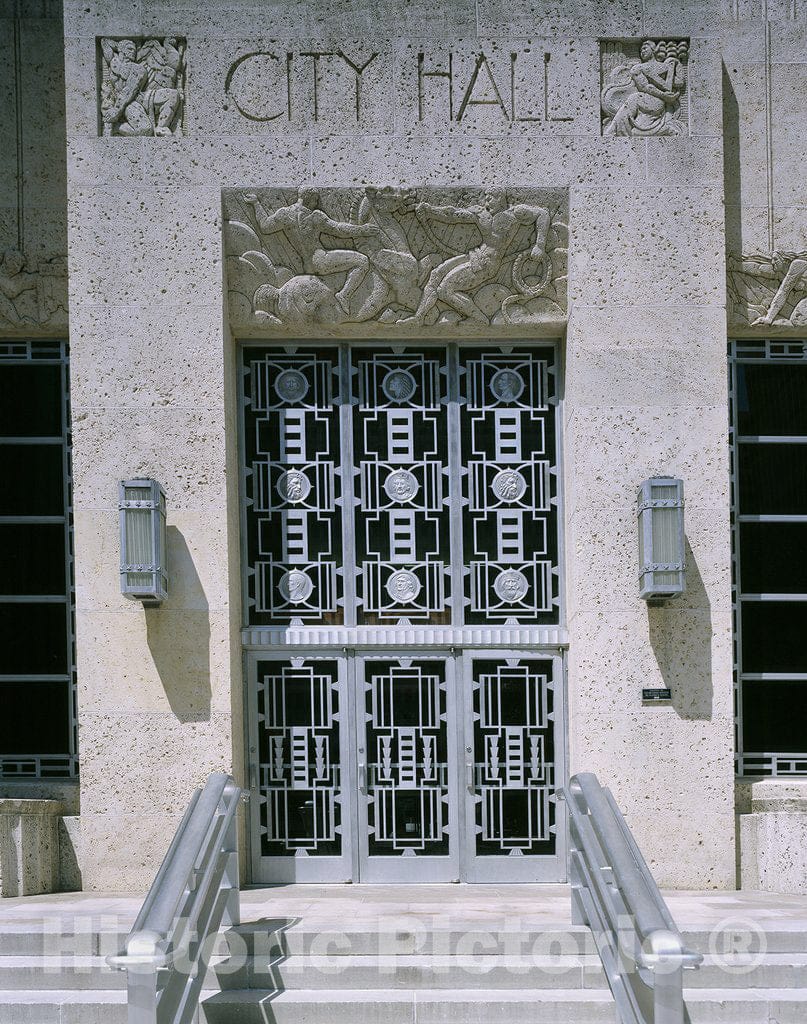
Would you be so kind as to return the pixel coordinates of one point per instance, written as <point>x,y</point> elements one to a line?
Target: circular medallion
<point>291,386</point>
<point>509,485</point>
<point>295,586</point>
<point>293,486</point>
<point>403,586</point>
<point>401,485</point>
<point>507,385</point>
<point>511,586</point>
<point>399,385</point>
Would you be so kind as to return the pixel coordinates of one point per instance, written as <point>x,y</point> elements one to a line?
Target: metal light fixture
<point>143,574</point>
<point>661,538</point>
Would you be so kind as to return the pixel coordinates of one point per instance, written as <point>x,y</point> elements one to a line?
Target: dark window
<point>769,400</point>
<point>37,684</point>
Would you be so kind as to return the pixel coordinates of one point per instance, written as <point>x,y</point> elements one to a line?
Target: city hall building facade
<point>357,362</point>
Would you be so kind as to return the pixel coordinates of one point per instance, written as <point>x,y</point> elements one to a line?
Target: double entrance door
<point>401,589</point>
<point>419,767</point>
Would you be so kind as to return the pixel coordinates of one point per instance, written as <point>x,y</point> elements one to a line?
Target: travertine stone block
<point>156,771</point>
<point>773,837</point>
<point>136,443</point>
<point>401,160</point>
<point>29,846</point>
<point>70,853</point>
<point>615,449</point>
<point>559,17</point>
<point>649,259</point>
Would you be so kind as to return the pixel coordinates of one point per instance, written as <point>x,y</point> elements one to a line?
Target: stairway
<point>387,969</point>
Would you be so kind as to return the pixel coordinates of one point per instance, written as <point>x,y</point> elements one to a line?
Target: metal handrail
<point>613,892</point>
<point>194,891</point>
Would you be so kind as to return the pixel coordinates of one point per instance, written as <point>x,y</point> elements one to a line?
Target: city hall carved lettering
<point>401,257</point>
<point>142,86</point>
<point>768,289</point>
<point>275,85</point>
<point>644,87</point>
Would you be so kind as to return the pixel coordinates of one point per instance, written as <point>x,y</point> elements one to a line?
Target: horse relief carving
<point>396,256</point>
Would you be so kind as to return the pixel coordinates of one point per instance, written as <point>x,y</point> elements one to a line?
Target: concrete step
<point>545,1006</point>
<point>542,1006</point>
<point>402,972</point>
<point>268,938</point>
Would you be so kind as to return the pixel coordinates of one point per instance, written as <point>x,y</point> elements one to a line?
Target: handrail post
<point>611,883</point>
<point>232,906</point>
<point>668,996</point>
<point>142,989</point>
<point>194,891</point>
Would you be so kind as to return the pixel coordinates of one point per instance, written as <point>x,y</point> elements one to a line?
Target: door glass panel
<point>299,751</point>
<point>514,754</point>
<point>407,757</point>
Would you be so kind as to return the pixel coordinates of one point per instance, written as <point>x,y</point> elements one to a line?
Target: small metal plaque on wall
<point>655,696</point>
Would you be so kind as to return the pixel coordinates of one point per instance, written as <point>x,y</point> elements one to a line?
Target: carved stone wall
<point>33,175</point>
<point>395,259</point>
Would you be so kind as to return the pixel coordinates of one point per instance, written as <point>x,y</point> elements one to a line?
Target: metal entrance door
<point>405,698</point>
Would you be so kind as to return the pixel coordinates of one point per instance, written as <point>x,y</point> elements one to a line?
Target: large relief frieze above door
<point>395,259</point>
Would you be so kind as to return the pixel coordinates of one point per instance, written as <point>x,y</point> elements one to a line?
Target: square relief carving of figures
<point>768,289</point>
<point>142,86</point>
<point>644,87</point>
<point>32,293</point>
<point>400,257</point>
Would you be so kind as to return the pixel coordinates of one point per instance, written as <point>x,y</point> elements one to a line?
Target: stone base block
<point>29,846</point>
<point>773,836</point>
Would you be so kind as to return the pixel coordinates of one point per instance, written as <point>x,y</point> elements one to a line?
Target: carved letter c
<point>228,82</point>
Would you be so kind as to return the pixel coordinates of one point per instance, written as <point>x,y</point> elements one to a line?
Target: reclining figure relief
<point>396,256</point>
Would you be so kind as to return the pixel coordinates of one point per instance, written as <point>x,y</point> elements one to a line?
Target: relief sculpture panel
<point>32,293</point>
<point>644,87</point>
<point>398,257</point>
<point>768,289</point>
<point>142,86</point>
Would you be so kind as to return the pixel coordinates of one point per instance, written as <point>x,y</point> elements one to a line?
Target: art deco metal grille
<point>390,486</point>
<point>294,486</point>
<point>514,756</point>
<point>407,769</point>
<point>299,758</point>
<point>769,523</point>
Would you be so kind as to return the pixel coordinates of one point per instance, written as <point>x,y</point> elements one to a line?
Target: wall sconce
<point>143,574</point>
<point>661,538</point>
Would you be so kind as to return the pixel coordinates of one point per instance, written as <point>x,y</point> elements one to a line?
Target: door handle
<point>362,778</point>
<point>469,776</point>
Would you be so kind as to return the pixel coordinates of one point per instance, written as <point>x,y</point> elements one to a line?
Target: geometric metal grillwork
<point>299,774</point>
<point>768,432</point>
<point>391,486</point>
<point>509,448</point>
<point>514,757</point>
<point>407,770</point>
<point>293,474</point>
<point>38,731</point>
